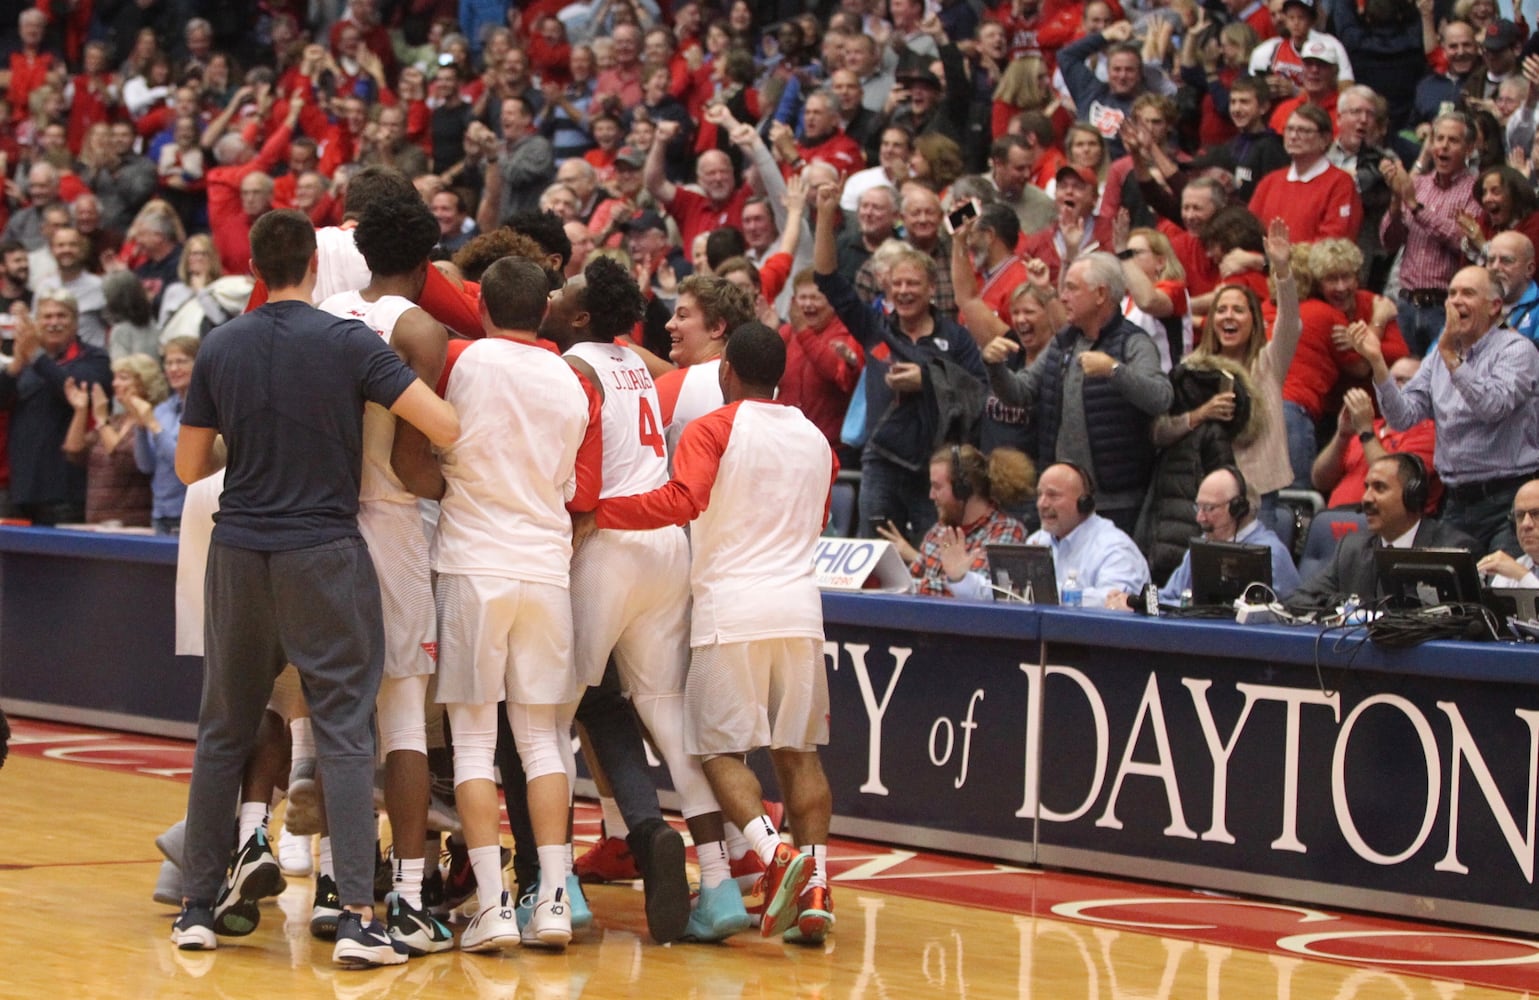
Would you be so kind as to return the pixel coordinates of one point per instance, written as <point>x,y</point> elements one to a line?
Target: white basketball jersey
<point>635,457</point>
<point>699,394</point>
<point>379,481</point>
<point>339,265</point>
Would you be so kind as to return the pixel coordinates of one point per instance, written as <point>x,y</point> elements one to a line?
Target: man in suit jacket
<point>1394,495</point>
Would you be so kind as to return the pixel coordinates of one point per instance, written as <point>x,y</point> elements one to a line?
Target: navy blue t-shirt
<point>286,386</point>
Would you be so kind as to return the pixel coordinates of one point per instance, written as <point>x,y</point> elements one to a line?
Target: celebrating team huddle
<point>557,544</point>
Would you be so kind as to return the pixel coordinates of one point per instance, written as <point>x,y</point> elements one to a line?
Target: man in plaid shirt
<point>968,488</point>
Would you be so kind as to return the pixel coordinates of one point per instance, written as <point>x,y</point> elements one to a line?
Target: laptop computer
<point>1221,571</point>
<point>1022,573</point>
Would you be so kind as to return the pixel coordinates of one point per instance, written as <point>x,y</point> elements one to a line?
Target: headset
<point>1413,480</point>
<point>1085,504</point>
<point>961,481</point>
<point>1238,506</point>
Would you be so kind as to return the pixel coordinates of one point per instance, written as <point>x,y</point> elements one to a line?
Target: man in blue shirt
<point>1100,556</point>
<point>1510,256</point>
<point>1224,515</point>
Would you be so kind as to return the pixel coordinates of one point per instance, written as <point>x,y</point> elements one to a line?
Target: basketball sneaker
<point>294,854</point>
<point>550,925</point>
<point>459,879</point>
<point>194,929</point>
<point>327,909</point>
<point>361,945</point>
<point>493,929</point>
<point>718,914</point>
<point>814,917</point>
<point>609,860</point>
<point>659,853</point>
<point>253,875</point>
<point>420,932</point>
<point>582,916</point>
<point>784,879</point>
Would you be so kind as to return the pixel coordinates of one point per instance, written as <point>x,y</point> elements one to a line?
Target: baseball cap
<point>630,156</point>
<point>1308,5</point>
<point>1502,34</point>
<point>645,222</point>
<point>1085,174</point>
<point>1321,50</point>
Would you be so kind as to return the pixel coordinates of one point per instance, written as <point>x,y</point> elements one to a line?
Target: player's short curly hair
<point>485,250</point>
<point>395,235</point>
<point>612,298</point>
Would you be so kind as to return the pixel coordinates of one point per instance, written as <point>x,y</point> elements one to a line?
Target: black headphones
<point>961,489</point>
<point>1238,506</point>
<point>1085,504</point>
<point>1413,481</point>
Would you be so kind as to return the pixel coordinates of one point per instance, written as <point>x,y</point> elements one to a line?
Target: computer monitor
<point>1022,573</point>
<point>1521,603</point>
<point>1422,578</point>
<point>1222,570</point>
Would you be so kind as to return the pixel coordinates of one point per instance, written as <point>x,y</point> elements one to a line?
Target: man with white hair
<point>1097,389</point>
<point>29,63</point>
<point>722,202</point>
<point>1509,256</point>
<point>579,175</point>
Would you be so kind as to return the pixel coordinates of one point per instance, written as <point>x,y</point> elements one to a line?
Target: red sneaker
<point>609,860</point>
<point>784,879</point>
<point>747,871</point>
<point>814,918</point>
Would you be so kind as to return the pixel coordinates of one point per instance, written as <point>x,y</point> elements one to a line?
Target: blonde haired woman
<point>116,491</point>
<point>1156,301</point>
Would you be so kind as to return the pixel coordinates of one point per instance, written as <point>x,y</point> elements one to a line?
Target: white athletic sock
<point>819,854</point>
<point>568,858</point>
<point>737,844</point>
<point>762,838</point>
<point>324,861</point>
<point>553,869</point>
<point>486,862</point>
<point>614,821</point>
<point>407,880</point>
<point>253,816</point>
<point>715,867</point>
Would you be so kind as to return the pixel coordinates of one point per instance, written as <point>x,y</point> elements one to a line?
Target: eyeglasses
<point>1210,508</point>
<point>1300,130</point>
<point>1519,515</point>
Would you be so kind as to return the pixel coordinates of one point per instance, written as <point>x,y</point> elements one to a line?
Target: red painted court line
<point>1434,951</point>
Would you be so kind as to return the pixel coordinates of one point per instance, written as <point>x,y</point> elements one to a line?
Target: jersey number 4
<point>651,437</point>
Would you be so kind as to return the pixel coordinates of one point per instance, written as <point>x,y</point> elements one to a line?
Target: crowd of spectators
<point>1047,225</point>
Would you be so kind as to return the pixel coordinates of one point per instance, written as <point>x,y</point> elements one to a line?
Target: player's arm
<point>422,342</point>
<point>412,459</point>
<point>196,453</point>
<point>588,471</point>
<point>434,417</point>
<point>682,498</point>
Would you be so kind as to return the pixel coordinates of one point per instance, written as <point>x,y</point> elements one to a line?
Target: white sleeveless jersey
<point>699,394</point>
<point>379,481</point>
<point>339,265</point>
<point>635,458</point>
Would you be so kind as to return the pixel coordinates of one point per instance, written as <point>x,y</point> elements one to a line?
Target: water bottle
<point>1072,596</point>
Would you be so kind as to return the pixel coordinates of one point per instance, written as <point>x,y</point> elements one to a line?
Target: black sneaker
<point>460,879</point>
<point>194,929</point>
<point>360,946</point>
<point>421,932</point>
<point>433,888</point>
<point>327,909</point>
<point>254,874</point>
<point>659,852</point>
<point>384,872</point>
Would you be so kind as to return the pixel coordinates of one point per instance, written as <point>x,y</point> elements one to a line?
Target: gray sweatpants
<point>318,608</point>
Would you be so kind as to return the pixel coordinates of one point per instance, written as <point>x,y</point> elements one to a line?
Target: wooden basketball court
<point>79,810</point>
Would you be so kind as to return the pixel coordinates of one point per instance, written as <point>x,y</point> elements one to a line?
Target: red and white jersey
<point>688,394</point>
<point>339,265</point>
<point>530,449</point>
<point>755,478</point>
<point>635,457</point>
<point>379,481</point>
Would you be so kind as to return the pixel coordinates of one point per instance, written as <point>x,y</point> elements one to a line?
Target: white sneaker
<point>550,926</point>
<point>493,929</point>
<point>294,854</point>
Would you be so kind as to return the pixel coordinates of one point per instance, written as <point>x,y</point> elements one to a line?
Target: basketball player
<point>530,452</point>
<point>630,595</point>
<point>395,236</point>
<point>755,478</point>
<point>708,308</point>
